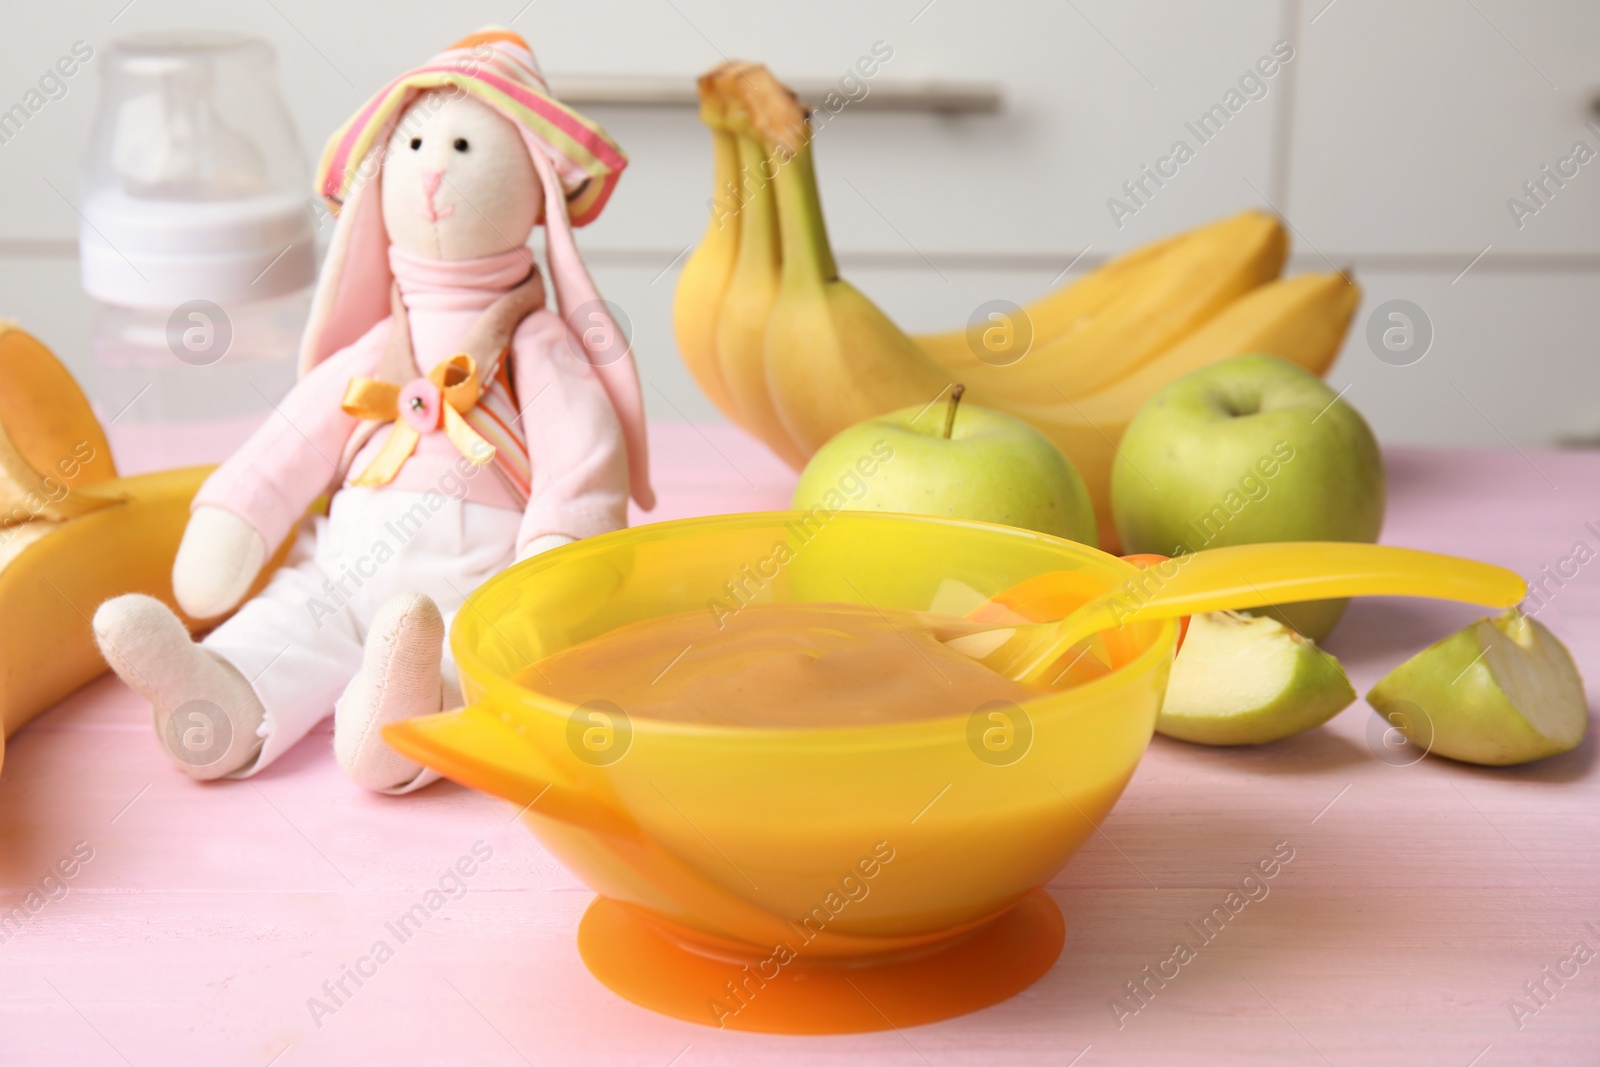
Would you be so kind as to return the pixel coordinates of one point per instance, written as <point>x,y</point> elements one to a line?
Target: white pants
<point>299,642</point>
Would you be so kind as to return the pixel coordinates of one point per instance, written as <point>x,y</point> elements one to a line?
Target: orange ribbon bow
<point>421,406</point>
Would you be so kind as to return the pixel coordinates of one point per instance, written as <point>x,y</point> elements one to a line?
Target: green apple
<point>1501,691</point>
<point>970,463</point>
<point>1251,449</point>
<point>1246,680</point>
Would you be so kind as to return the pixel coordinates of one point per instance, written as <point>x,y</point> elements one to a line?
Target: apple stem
<point>950,412</point>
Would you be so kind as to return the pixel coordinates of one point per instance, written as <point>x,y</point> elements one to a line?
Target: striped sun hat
<point>497,67</point>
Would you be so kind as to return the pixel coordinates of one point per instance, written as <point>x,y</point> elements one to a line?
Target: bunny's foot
<point>206,714</point>
<point>400,678</point>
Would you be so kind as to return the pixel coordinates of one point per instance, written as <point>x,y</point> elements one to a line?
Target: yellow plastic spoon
<point>1244,576</point>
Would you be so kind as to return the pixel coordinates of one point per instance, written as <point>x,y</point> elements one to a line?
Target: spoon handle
<point>1252,576</point>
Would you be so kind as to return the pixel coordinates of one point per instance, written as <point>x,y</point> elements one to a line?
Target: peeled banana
<point>74,533</point>
<point>55,573</point>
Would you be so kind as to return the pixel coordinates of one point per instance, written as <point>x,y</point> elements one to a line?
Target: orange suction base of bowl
<point>640,961</point>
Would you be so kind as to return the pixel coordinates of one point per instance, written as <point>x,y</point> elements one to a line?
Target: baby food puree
<point>779,665</point>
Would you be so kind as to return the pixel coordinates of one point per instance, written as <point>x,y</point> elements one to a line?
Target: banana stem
<point>806,250</point>
<point>950,412</point>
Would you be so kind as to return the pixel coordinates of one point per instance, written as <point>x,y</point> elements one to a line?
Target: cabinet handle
<point>933,97</point>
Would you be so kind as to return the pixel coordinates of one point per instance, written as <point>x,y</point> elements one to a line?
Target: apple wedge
<point>1502,691</point>
<point>1247,680</point>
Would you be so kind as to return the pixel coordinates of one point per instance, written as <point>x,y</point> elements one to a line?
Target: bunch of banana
<point>72,533</point>
<point>828,357</point>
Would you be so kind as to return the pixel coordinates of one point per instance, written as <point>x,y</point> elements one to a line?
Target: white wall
<point>1391,142</point>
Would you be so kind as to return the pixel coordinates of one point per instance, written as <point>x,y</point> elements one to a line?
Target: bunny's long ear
<point>352,292</point>
<point>591,324</point>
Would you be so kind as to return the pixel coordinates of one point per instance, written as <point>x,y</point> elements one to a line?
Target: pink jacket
<point>575,443</point>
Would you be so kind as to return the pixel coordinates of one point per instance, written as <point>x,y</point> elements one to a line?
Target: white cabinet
<point>1415,124</point>
<point>1095,90</point>
<point>1392,139</point>
<point>1511,360</point>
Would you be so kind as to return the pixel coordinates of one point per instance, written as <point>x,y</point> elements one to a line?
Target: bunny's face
<point>457,181</point>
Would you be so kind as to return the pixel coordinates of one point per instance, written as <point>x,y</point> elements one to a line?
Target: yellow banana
<point>753,287</point>
<point>1187,286</point>
<point>832,357</point>
<point>1301,319</point>
<point>74,534</point>
<point>698,299</point>
<point>1055,314</point>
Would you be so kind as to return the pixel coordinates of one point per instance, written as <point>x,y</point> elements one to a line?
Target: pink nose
<point>430,180</point>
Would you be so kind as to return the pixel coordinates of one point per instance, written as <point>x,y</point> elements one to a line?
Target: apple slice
<point>1247,680</point>
<point>1502,691</point>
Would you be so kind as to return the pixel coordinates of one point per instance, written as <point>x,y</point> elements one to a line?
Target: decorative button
<point>420,405</point>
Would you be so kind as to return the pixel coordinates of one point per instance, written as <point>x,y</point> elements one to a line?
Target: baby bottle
<point>197,245</point>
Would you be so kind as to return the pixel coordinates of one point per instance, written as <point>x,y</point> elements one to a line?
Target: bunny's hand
<point>217,562</point>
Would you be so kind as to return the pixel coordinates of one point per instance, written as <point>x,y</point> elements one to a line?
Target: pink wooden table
<point>1418,902</point>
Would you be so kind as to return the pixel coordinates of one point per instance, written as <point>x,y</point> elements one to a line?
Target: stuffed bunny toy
<point>457,424</point>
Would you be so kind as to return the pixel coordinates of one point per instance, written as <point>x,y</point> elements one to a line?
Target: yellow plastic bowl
<point>811,880</point>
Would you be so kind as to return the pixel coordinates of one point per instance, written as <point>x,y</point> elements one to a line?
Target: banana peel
<point>72,533</point>
<point>52,448</point>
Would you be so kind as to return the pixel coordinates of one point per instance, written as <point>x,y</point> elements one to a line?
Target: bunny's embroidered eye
<point>416,143</point>
<point>461,144</point>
